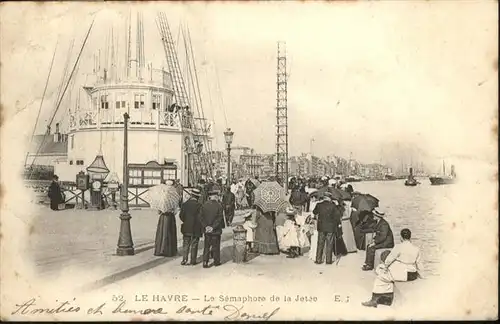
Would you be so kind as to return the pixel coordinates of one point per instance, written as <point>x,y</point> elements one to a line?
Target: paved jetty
<point>77,248</point>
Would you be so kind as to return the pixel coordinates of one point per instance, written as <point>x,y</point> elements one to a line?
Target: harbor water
<point>414,208</point>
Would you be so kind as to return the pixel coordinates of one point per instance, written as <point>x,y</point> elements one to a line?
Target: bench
<point>368,239</point>
<point>378,252</point>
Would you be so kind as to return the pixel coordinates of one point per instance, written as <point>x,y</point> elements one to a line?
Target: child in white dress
<point>303,220</point>
<point>250,226</point>
<point>288,237</point>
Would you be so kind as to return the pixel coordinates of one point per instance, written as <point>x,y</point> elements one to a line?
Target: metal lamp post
<point>189,150</point>
<point>228,136</point>
<point>198,148</point>
<point>125,244</point>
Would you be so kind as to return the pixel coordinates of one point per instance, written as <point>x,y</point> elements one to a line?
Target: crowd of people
<point>327,226</point>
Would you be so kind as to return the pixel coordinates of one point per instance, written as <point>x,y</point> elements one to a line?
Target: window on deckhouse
<point>156,101</point>
<point>104,102</point>
<point>120,101</point>
<point>139,101</point>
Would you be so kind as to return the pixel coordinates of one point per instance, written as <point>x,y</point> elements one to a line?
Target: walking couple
<point>329,231</point>
<point>198,219</point>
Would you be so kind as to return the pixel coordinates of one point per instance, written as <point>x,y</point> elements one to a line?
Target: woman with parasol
<point>165,199</point>
<point>269,199</point>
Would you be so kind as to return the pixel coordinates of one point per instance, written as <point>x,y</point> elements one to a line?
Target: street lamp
<point>228,136</point>
<point>125,244</point>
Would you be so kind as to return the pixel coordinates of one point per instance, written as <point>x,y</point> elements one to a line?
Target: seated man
<point>402,263</point>
<point>383,239</point>
<point>404,259</point>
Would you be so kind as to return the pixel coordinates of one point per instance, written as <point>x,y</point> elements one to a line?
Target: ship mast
<point>181,99</point>
<point>63,93</point>
<point>41,102</point>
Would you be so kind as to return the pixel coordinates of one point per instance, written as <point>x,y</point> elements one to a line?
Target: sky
<point>382,81</point>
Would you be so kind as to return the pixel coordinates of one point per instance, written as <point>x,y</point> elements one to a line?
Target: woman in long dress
<point>265,241</point>
<point>339,245</point>
<point>347,230</point>
<point>314,239</point>
<point>166,235</point>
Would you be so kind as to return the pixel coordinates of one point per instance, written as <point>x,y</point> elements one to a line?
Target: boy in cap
<point>383,287</point>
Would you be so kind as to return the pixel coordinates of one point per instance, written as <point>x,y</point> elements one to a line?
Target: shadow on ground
<point>226,256</point>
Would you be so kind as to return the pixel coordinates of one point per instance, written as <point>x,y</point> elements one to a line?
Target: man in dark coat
<point>329,220</point>
<point>229,203</point>
<point>191,227</point>
<point>55,193</point>
<point>299,198</point>
<point>383,239</point>
<point>212,220</point>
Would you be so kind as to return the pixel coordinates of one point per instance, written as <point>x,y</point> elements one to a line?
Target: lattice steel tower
<point>281,118</point>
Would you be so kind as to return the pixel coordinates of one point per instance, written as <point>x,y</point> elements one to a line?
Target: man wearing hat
<point>383,239</point>
<point>191,227</point>
<point>329,220</point>
<point>212,220</point>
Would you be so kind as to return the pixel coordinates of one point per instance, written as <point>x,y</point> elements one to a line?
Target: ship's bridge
<point>148,101</point>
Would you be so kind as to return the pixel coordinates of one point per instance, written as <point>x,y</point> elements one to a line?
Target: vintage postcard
<point>243,161</point>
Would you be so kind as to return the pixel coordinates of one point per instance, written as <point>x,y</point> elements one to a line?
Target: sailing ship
<point>161,113</point>
<point>444,179</point>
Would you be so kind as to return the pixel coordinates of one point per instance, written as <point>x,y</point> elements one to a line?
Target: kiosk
<point>98,171</point>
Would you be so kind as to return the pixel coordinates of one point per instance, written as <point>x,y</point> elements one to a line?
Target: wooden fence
<point>74,197</point>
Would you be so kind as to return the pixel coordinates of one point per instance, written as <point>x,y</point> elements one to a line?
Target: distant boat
<point>411,181</point>
<point>390,177</point>
<point>353,179</point>
<point>444,179</point>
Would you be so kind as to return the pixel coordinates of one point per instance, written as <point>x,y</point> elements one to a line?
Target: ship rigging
<point>167,124</point>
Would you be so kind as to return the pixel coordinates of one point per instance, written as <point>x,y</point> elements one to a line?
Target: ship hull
<point>410,183</point>
<point>436,181</point>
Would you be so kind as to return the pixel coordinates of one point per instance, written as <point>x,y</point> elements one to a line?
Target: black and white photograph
<point>249,161</point>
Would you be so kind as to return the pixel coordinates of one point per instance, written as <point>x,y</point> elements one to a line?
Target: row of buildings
<point>245,162</point>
